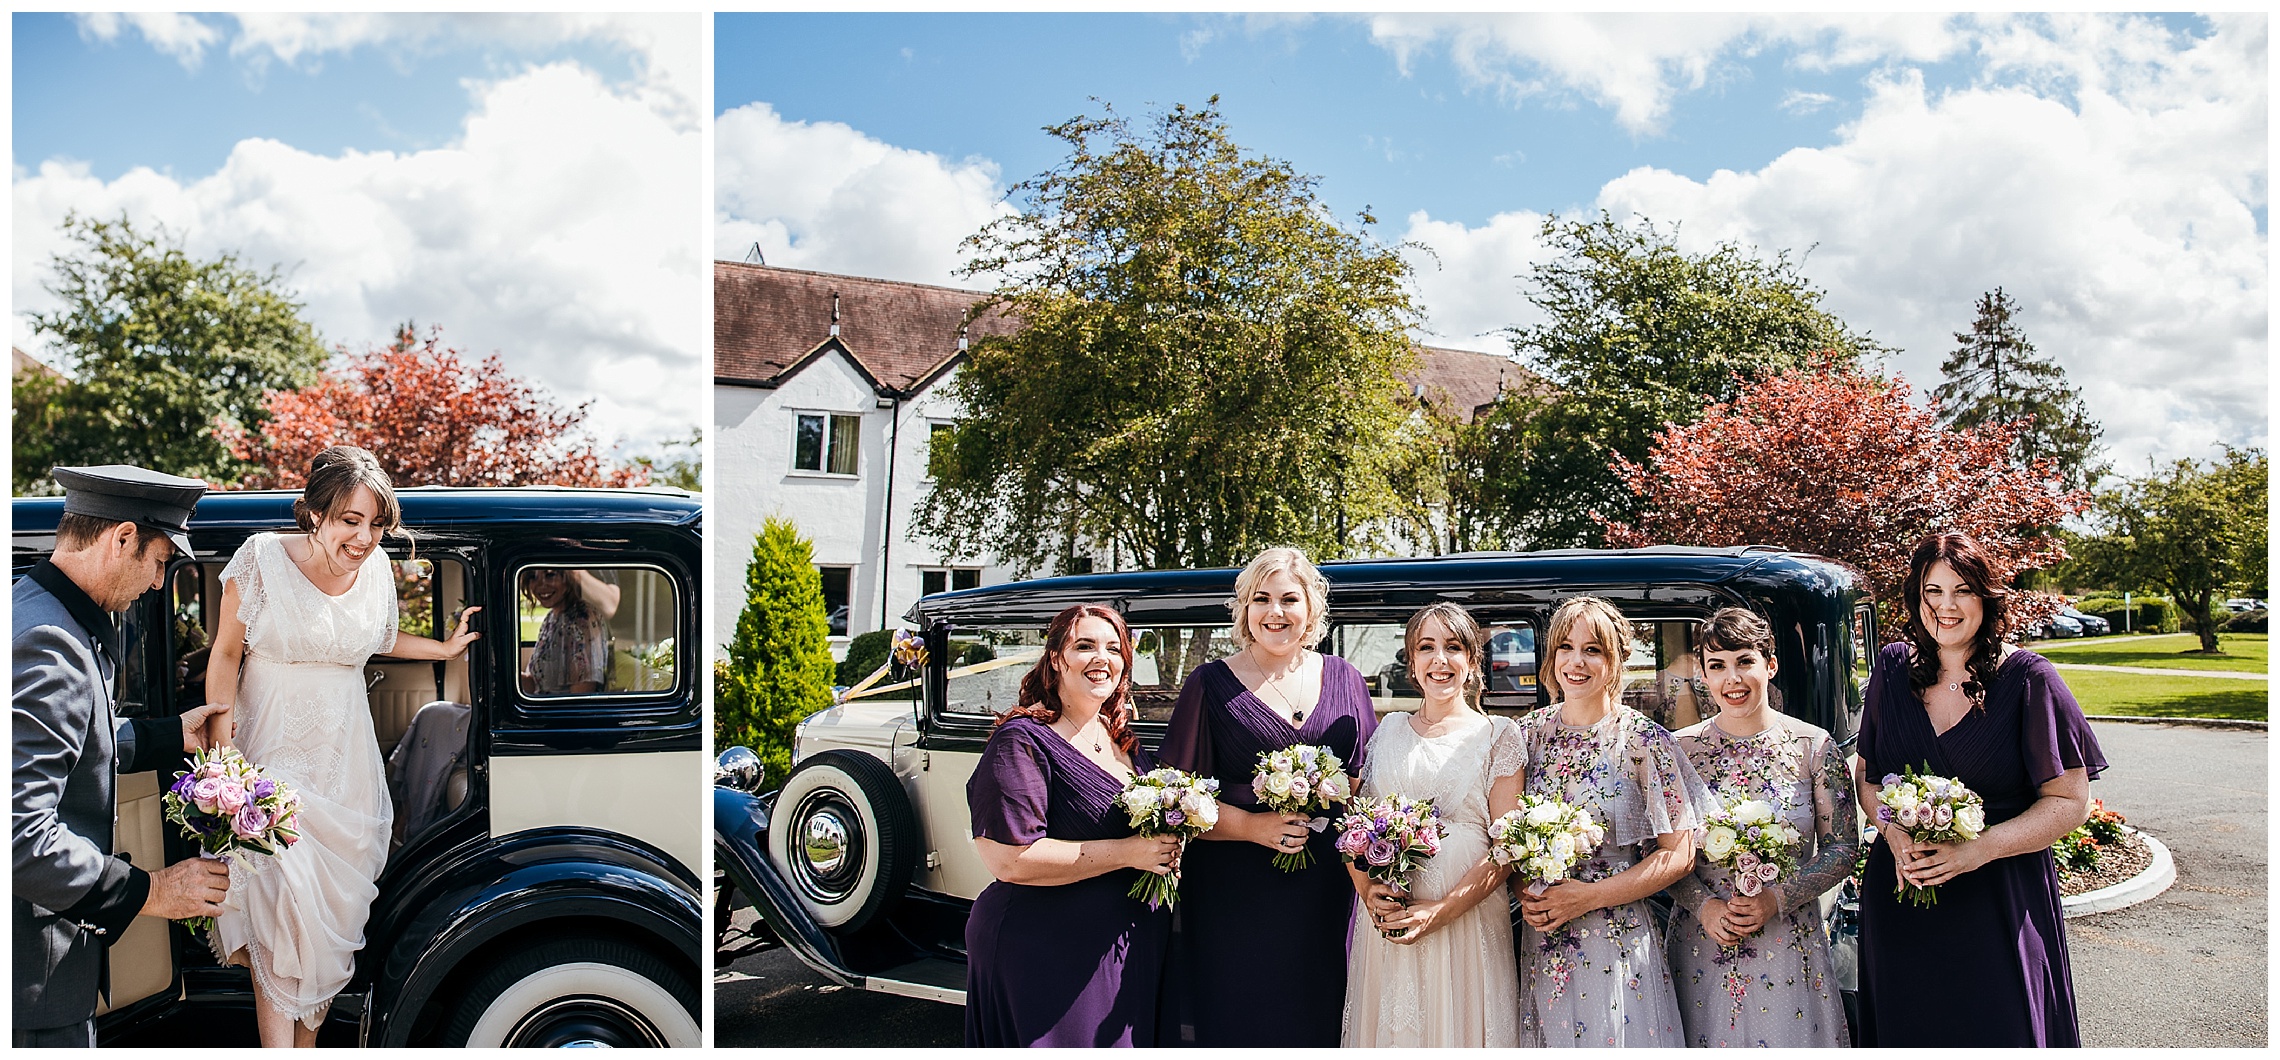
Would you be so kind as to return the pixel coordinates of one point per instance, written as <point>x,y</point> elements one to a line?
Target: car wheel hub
<point>584,1022</point>
<point>829,860</point>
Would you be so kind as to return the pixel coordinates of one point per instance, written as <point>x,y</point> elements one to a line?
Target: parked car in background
<point>862,863</point>
<point>2092,625</point>
<point>541,887</point>
<point>2239,604</point>
<point>2057,626</point>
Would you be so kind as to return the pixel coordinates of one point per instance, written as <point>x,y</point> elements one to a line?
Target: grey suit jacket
<point>72,898</point>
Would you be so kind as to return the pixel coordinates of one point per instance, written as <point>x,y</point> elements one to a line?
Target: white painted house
<point>825,389</point>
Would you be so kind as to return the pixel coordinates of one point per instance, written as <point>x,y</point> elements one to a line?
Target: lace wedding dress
<point>1458,986</point>
<point>302,716</point>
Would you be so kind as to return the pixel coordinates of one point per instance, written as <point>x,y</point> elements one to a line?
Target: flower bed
<point>2103,852</point>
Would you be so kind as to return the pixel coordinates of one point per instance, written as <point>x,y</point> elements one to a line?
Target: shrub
<point>778,668</point>
<point>2155,614</point>
<point>2079,850</point>
<point>2248,622</point>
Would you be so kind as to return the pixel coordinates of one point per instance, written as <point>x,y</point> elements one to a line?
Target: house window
<point>835,583</point>
<point>937,437</point>
<point>943,581</point>
<point>826,442</point>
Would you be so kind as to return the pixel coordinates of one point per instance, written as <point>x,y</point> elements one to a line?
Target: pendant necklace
<point>1297,716</point>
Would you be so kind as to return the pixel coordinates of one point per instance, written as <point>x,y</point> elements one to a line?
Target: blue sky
<point>530,183</point>
<point>1915,161</point>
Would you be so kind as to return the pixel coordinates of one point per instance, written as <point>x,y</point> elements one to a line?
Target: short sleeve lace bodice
<point>287,619</point>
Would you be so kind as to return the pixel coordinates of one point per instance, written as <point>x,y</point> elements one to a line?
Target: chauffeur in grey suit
<point>72,898</point>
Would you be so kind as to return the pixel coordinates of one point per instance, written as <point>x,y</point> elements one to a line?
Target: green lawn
<point>2245,652</point>
<point>2162,696</point>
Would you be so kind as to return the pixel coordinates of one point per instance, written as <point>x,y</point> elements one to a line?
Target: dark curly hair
<point>1041,687</point>
<point>1963,555</point>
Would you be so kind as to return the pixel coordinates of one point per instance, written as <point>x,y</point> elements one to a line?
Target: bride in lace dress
<point>300,615</point>
<point>1439,971</point>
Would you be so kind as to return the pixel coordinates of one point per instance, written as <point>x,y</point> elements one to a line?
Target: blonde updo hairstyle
<point>332,480</point>
<point>1312,584</point>
<point>1608,627</point>
<point>1465,629</point>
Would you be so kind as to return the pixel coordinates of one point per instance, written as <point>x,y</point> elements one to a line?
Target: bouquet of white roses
<point>1745,836</point>
<point>1543,839</point>
<point>1931,810</point>
<point>1304,779</point>
<point>1167,801</point>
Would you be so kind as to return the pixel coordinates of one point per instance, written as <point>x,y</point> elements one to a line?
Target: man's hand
<point>186,889</point>
<point>207,726</point>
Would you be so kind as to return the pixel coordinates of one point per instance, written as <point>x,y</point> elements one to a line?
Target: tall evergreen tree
<point>778,668</point>
<point>1994,375</point>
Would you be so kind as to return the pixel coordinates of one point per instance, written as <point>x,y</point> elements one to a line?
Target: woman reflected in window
<point>572,656</point>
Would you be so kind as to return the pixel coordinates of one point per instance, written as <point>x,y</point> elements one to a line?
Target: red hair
<point>1041,686</point>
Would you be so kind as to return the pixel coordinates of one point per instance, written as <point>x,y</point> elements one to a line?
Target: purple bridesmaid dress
<point>1987,966</point>
<point>1071,966</point>
<point>1258,954</point>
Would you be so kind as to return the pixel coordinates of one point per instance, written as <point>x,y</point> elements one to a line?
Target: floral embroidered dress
<point>1779,987</point>
<point>573,648</point>
<point>1457,986</point>
<point>302,716</point>
<point>1602,979</point>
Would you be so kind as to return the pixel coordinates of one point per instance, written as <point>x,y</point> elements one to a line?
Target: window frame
<point>828,448</point>
<point>527,698</point>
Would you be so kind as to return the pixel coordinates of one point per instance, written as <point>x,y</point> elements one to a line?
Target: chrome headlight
<point>738,768</point>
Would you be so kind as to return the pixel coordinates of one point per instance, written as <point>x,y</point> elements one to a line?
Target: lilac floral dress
<point>1602,979</point>
<point>1778,987</point>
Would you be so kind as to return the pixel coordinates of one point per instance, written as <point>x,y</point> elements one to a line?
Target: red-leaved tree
<point>433,419</point>
<point>1836,462</point>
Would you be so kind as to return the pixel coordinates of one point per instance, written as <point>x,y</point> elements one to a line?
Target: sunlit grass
<point>2164,696</point>
<point>2246,652</point>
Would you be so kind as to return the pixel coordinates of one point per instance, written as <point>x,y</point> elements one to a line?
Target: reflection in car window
<point>986,668</point>
<point>595,631</point>
<point>1162,659</point>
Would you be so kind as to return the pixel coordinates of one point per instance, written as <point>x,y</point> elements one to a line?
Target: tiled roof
<point>766,319</point>
<point>22,362</point>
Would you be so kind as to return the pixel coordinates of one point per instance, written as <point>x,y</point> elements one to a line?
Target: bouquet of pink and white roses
<point>1167,801</point>
<point>1931,810</point>
<point>1387,837</point>
<point>1543,839</point>
<point>1303,779</point>
<point>1746,836</point>
<point>232,810</point>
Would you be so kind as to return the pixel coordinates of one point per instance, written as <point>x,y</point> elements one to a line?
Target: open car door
<point>142,961</point>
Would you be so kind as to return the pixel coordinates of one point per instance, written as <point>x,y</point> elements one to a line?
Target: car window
<point>593,630</point>
<point>415,597</point>
<point>986,667</point>
<point>1162,659</point>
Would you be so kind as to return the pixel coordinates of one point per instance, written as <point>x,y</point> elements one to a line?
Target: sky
<point>531,183</point>
<point>2108,171</point>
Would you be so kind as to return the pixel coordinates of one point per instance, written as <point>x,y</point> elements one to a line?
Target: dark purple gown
<point>1075,965</point>
<point>1236,908</point>
<point>1987,966</point>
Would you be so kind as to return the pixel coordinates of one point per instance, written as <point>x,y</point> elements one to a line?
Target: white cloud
<point>560,230</point>
<point>823,196</point>
<point>1470,280</point>
<point>181,37</point>
<point>1636,64</point>
<point>2116,203</point>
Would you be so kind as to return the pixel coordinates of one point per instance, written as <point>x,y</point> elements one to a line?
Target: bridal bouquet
<point>1931,810</point>
<point>1745,836</point>
<point>233,811</point>
<point>1305,779</point>
<point>1386,837</point>
<point>1543,839</point>
<point>1167,801</point>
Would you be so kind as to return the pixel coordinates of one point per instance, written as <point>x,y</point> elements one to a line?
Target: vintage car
<point>862,864</point>
<point>542,884</point>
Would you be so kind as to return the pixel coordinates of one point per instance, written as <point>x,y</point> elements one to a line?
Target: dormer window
<point>827,443</point>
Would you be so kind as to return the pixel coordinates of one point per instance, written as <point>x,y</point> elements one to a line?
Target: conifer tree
<point>1994,375</point>
<point>779,668</point>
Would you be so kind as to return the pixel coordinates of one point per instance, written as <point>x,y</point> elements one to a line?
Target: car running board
<point>927,980</point>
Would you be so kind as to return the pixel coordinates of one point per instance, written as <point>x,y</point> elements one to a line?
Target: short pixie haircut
<point>1734,629</point>
<point>1608,627</point>
<point>1310,581</point>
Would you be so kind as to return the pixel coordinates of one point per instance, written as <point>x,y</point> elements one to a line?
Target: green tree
<point>1994,375</point>
<point>778,668</point>
<point>1639,335</point>
<point>165,347</point>
<point>2191,530</point>
<point>681,463</point>
<point>1208,362</point>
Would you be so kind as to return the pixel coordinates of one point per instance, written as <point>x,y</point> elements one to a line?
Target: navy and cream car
<point>541,887</point>
<point>862,863</point>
